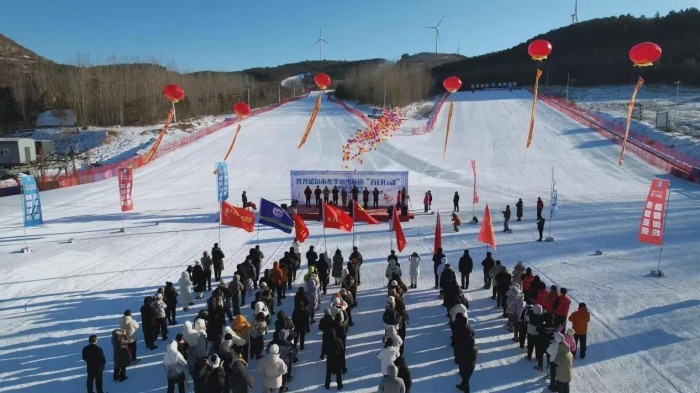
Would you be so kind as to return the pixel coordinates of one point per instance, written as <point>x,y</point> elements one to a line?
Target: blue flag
<point>222,181</point>
<point>31,202</point>
<point>274,216</point>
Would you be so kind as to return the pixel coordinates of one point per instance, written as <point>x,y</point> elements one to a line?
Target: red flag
<point>334,217</point>
<point>651,228</point>
<point>362,215</point>
<point>475,197</point>
<point>486,234</point>
<point>237,217</point>
<point>302,232</point>
<point>438,234</point>
<point>400,238</point>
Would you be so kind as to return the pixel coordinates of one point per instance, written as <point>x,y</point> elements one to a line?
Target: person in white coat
<point>392,269</point>
<point>414,264</point>
<point>185,291</point>
<point>129,326</point>
<point>272,369</point>
<point>390,332</point>
<point>387,355</point>
<point>175,368</point>
<point>458,308</point>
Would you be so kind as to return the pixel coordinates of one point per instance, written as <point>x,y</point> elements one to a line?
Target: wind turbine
<point>574,16</point>
<point>320,42</point>
<point>437,33</point>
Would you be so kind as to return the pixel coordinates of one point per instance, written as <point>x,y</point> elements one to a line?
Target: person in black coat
<point>325,325</point>
<point>254,257</point>
<point>335,359</point>
<point>326,194</point>
<point>356,255</point>
<point>465,357</point>
<point>465,268</point>
<point>455,201</point>
<point>217,258</point>
<point>375,198</point>
<point>323,268</point>
<point>217,315</point>
<point>506,218</point>
<point>448,275</point>
<point>311,257</point>
<point>519,209</point>
<point>355,192</point>
<point>199,280</point>
<point>334,193</point>
<point>216,381</point>
<point>317,194</point>
<point>94,357</point>
<point>404,372</point>
<point>170,297</point>
<point>300,317</point>
<point>488,264</point>
<point>307,195</point>
<point>437,259</point>
<point>365,198</point>
<point>540,227</point>
<point>503,282</point>
<point>148,322</point>
<point>244,199</point>
<point>238,377</point>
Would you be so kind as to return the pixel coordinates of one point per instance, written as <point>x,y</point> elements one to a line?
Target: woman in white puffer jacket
<point>185,291</point>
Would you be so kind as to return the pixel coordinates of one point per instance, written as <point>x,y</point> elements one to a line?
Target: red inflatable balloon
<point>173,93</point>
<point>539,49</point>
<point>241,109</point>
<point>322,80</point>
<point>452,84</point>
<point>645,54</point>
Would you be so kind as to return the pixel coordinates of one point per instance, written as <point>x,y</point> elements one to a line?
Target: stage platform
<point>380,214</point>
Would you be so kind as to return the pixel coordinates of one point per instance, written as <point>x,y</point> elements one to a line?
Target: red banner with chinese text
<point>126,181</point>
<point>651,228</point>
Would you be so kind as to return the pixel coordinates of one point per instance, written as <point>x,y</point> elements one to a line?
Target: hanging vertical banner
<point>222,181</point>
<point>651,228</point>
<point>32,202</point>
<point>126,181</point>
<point>475,198</point>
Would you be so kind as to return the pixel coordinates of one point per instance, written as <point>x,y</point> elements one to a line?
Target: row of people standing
<point>328,195</point>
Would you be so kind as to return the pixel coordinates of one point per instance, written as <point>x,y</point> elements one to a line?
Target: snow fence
<point>94,174</point>
<point>652,151</point>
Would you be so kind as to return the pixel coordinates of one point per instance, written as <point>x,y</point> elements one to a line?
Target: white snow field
<point>643,335</point>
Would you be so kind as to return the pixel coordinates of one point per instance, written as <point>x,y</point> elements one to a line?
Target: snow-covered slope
<point>644,330</point>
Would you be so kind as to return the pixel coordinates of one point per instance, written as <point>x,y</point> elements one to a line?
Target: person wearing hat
<point>272,369</point>
<point>170,296</point>
<point>161,320</point>
<point>465,268</point>
<point>437,260</point>
<point>579,320</point>
<point>357,258</point>
<point>216,382</point>
<point>393,269</point>
<point>488,264</point>
<point>414,266</point>
<point>199,280</point>
<point>94,357</point>
<point>175,368</point>
<point>217,315</point>
<point>129,326</point>
<point>217,257</point>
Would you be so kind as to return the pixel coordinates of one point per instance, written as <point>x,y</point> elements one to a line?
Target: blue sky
<point>233,35</point>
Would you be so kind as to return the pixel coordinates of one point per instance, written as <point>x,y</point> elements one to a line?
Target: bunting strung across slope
<point>152,152</point>
<point>534,106</point>
<point>638,86</point>
<point>311,122</point>
<point>449,121</point>
<point>230,148</point>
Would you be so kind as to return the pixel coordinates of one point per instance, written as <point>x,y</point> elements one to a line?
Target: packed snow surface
<point>644,330</point>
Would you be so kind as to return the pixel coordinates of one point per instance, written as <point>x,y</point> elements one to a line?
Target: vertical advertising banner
<point>475,198</point>
<point>222,181</point>
<point>126,181</point>
<point>651,228</point>
<point>31,202</point>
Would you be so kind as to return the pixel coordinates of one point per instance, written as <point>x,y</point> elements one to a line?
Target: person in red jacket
<point>561,308</point>
<point>579,321</point>
<point>551,297</point>
<point>541,297</point>
<point>540,206</point>
<point>526,280</point>
<point>279,279</point>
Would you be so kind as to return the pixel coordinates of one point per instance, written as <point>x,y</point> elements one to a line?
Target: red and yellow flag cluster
<point>376,132</point>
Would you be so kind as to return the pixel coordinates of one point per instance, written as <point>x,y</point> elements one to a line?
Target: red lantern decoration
<point>645,54</point>
<point>539,49</point>
<point>322,80</point>
<point>452,84</point>
<point>173,93</point>
<point>241,109</point>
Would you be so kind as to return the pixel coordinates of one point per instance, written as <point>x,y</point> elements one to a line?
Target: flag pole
<point>24,223</point>
<point>551,208</point>
<point>219,222</point>
<point>659,273</point>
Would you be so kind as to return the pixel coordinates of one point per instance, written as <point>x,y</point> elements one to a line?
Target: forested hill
<point>594,52</point>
